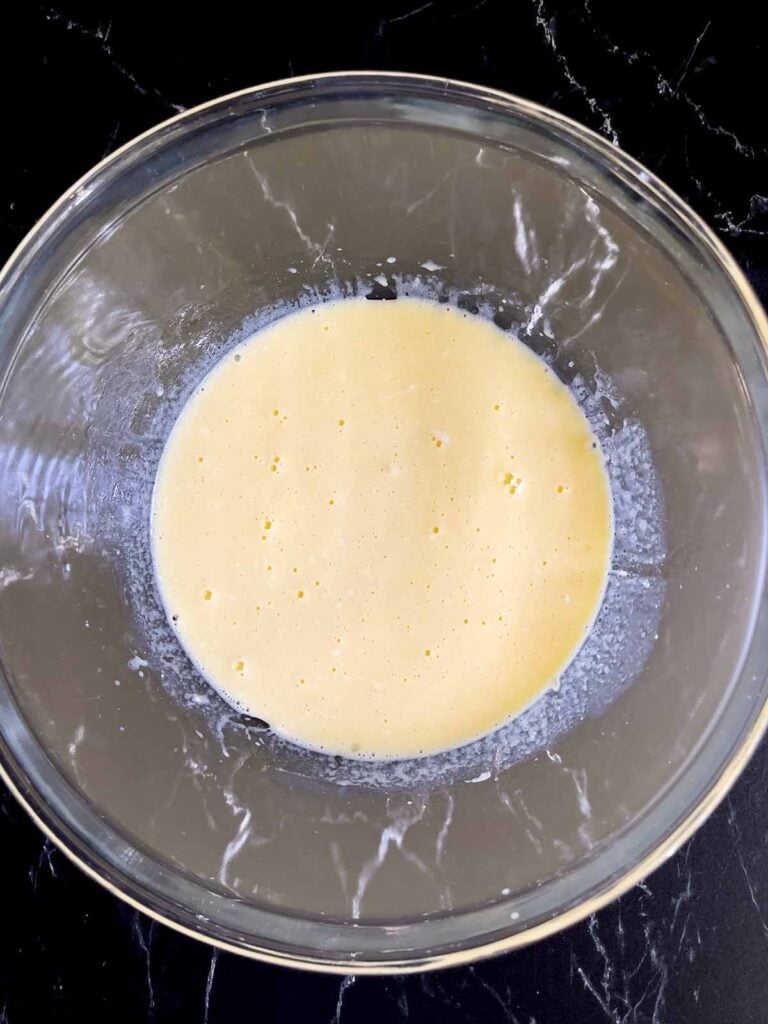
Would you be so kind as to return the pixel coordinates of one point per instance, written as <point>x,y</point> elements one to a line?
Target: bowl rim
<point>48,821</point>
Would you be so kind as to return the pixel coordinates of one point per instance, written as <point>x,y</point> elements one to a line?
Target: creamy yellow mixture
<point>383,527</point>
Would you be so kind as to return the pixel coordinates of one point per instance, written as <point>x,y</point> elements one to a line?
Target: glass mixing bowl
<point>128,291</point>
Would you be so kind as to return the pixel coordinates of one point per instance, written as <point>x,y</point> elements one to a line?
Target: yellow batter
<point>384,527</point>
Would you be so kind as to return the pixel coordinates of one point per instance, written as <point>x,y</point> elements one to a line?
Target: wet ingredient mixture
<point>383,527</point>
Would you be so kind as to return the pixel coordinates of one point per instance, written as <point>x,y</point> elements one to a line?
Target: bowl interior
<point>171,254</point>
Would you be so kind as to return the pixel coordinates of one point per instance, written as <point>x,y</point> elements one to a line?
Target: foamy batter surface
<point>383,527</point>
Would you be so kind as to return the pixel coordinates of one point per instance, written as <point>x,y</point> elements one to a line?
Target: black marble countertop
<point>682,92</point>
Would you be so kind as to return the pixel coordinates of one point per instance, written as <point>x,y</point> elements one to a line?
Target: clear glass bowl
<point>126,293</point>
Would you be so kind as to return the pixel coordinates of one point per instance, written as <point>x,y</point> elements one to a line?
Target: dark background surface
<point>684,92</point>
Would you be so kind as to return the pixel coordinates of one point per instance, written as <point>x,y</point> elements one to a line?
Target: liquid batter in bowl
<point>383,527</point>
